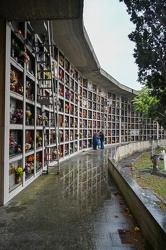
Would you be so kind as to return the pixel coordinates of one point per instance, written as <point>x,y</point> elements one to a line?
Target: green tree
<point>149,18</point>
<point>150,106</point>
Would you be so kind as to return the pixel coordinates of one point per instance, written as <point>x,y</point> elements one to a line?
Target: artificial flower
<point>19,170</point>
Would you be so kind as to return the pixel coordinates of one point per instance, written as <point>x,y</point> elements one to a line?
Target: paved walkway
<point>75,210</point>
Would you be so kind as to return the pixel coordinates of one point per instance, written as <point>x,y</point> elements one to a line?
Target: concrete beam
<point>23,10</point>
<point>69,34</point>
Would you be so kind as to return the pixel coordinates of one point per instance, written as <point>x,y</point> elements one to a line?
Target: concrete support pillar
<point>2,104</point>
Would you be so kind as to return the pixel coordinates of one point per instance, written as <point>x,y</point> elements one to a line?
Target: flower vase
<point>27,121</point>
<point>18,179</point>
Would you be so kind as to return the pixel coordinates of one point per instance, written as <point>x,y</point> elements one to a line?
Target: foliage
<point>150,106</point>
<point>149,18</point>
<point>143,102</point>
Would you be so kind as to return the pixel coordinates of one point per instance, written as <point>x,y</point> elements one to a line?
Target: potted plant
<point>55,152</point>
<point>12,144</point>
<point>40,141</point>
<point>17,116</point>
<point>47,75</point>
<point>25,57</point>
<point>28,116</point>
<point>18,173</point>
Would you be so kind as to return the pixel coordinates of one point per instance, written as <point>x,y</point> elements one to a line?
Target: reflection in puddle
<point>86,181</point>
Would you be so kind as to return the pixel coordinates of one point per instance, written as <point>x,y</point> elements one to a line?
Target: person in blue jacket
<point>95,140</point>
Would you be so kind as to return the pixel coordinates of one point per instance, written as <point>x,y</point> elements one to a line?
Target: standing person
<point>101,134</point>
<point>98,141</point>
<point>95,140</point>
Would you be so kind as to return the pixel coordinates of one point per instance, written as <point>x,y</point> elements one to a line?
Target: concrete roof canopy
<point>69,34</point>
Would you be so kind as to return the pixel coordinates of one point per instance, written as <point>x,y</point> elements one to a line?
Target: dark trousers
<point>95,146</point>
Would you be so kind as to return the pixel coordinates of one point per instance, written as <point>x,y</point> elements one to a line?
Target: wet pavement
<point>75,210</point>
